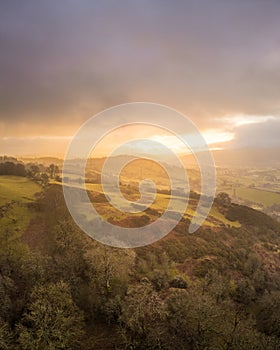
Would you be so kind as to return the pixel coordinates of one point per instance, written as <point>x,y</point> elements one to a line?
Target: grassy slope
<point>17,188</point>
<point>15,193</point>
<point>220,217</point>
<point>161,204</point>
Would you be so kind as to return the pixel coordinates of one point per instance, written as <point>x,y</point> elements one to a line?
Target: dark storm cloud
<point>261,135</point>
<point>64,60</point>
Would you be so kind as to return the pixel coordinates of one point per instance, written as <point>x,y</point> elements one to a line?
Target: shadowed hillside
<point>218,288</point>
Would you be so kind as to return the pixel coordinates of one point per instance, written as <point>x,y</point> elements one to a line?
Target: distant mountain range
<point>243,157</point>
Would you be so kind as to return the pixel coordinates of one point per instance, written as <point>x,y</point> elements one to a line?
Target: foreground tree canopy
<point>217,289</point>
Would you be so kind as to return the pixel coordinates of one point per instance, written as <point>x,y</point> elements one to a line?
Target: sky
<point>216,61</point>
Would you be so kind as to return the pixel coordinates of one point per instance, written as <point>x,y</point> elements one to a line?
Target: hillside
<point>218,288</point>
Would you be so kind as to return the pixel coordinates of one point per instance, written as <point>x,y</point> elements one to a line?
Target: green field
<point>15,193</point>
<point>258,196</point>
<point>17,188</point>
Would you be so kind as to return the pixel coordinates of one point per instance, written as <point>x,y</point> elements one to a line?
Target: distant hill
<point>254,157</point>
<point>242,157</point>
<point>42,160</point>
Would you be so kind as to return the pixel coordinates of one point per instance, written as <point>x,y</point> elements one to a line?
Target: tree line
<point>37,172</point>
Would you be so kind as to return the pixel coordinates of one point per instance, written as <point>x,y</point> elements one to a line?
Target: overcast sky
<point>63,61</point>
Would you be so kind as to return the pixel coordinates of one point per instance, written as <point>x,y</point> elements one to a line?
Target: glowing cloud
<point>243,119</point>
<point>211,136</point>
